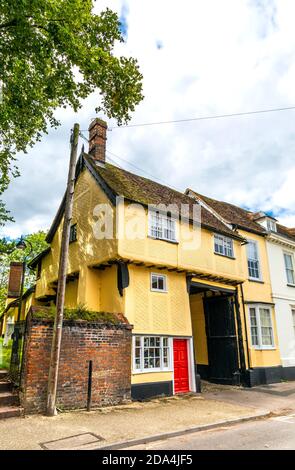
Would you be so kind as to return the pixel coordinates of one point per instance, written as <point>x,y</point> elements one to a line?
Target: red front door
<point>181,379</point>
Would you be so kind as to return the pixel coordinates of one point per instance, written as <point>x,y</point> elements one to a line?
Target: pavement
<point>106,427</point>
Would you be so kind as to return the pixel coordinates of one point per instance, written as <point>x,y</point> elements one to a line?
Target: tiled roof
<point>286,232</point>
<point>145,191</point>
<point>233,214</point>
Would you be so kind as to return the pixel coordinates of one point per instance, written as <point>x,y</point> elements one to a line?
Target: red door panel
<point>181,377</point>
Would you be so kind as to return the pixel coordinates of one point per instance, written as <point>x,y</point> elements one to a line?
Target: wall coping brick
<point>84,324</point>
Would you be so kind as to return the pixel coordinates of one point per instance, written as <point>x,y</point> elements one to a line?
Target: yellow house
<point>173,266</point>
<point>259,324</point>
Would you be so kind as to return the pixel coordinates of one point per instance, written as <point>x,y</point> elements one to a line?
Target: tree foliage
<point>54,53</point>
<point>8,253</point>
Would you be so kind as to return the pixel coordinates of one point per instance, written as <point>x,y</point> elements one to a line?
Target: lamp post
<point>17,334</point>
<point>22,245</point>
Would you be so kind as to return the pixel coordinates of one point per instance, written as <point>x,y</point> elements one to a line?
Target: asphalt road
<point>270,434</point>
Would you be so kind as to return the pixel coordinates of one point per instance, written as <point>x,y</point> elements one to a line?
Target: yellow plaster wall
<point>151,377</point>
<point>71,294</point>
<point>199,329</point>
<point>197,255</point>
<point>157,312</point>
<point>111,301</point>
<point>87,250</point>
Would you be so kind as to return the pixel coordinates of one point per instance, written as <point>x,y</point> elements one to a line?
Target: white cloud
<point>216,57</point>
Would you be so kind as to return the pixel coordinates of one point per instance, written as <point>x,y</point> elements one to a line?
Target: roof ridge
<point>135,174</point>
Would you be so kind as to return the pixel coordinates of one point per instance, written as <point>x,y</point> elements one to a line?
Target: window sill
<point>291,285</point>
<point>150,371</point>
<point>264,348</point>
<point>159,291</point>
<point>224,256</point>
<point>174,242</point>
<point>252,279</point>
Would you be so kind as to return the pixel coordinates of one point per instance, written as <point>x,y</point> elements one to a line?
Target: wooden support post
<point>62,275</point>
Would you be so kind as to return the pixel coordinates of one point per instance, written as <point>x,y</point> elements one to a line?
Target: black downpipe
<point>240,334</point>
<point>246,329</point>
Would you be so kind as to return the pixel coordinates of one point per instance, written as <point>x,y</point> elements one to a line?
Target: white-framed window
<point>223,245</point>
<point>162,226</point>
<point>253,260</point>
<point>289,266</point>
<point>151,353</point>
<point>271,225</point>
<point>261,327</point>
<point>158,282</point>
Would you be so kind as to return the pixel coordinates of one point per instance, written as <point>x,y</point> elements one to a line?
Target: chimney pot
<point>97,139</point>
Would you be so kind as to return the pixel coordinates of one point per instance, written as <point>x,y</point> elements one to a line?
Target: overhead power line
<point>204,118</point>
<point>142,170</point>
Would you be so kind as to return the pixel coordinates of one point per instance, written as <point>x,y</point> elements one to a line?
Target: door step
<point>3,374</point>
<point>8,399</point>
<point>5,386</point>
<point>9,412</point>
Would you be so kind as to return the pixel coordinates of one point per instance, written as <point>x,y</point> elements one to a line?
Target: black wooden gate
<point>221,339</point>
<point>17,352</point>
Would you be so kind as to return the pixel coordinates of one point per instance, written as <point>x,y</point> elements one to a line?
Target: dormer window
<point>271,225</point>
<point>267,221</point>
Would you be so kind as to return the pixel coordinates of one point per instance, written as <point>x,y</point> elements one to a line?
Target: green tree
<point>54,53</point>
<point>8,253</point>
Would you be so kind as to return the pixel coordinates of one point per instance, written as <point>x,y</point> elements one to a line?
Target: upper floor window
<point>261,327</point>
<point>253,260</point>
<point>73,233</point>
<point>271,225</point>
<point>162,226</point>
<point>289,265</point>
<point>223,246</point>
<point>158,282</point>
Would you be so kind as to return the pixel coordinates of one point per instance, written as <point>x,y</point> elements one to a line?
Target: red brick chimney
<point>15,279</point>
<point>97,139</point>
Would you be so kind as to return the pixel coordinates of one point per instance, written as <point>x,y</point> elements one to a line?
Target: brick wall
<point>15,279</point>
<point>107,345</point>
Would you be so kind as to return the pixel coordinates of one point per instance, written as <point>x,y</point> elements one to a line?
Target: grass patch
<point>5,354</point>
<point>78,313</point>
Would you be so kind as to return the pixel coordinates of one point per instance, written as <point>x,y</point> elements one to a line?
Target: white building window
<point>271,225</point>
<point>261,327</point>
<point>158,282</point>
<point>289,265</point>
<point>151,353</point>
<point>253,260</point>
<point>223,246</point>
<point>162,226</point>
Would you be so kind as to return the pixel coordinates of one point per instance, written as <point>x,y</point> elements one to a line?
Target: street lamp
<point>15,363</point>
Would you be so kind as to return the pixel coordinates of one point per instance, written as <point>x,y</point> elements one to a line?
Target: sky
<point>198,58</point>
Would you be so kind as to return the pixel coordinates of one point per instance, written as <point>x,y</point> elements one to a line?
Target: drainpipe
<point>246,329</point>
<point>240,334</point>
<point>197,376</point>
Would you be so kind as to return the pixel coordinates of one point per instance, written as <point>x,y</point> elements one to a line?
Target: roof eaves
<point>33,263</point>
<point>99,179</point>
